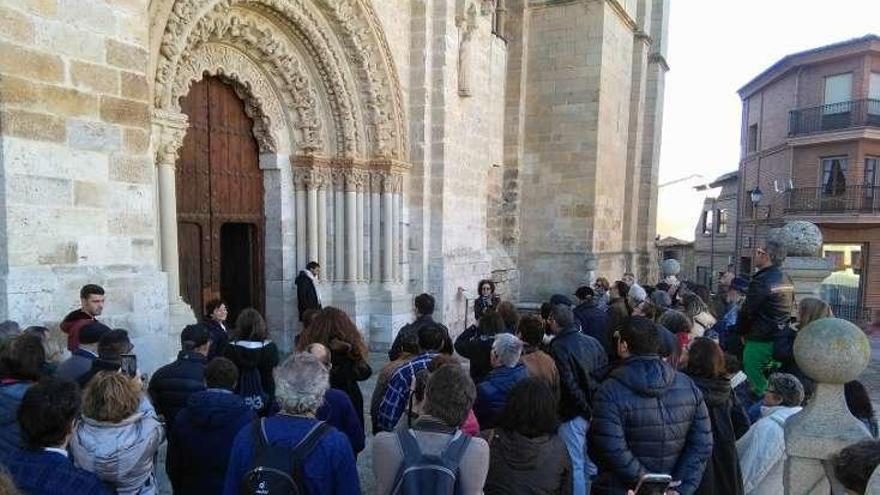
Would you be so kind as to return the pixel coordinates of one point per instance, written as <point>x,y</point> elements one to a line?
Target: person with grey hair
<point>582,364</point>
<point>766,311</point>
<point>761,450</point>
<point>507,370</point>
<point>329,467</point>
<point>449,395</point>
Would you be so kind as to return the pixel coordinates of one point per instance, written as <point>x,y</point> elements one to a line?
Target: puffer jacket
<point>519,465</point>
<point>594,322</point>
<point>477,348</point>
<point>492,393</point>
<point>200,441</point>
<point>768,305</point>
<point>173,384</point>
<point>649,418</point>
<point>11,393</point>
<point>582,364</point>
<point>263,356</point>
<point>729,422</point>
<point>121,454</point>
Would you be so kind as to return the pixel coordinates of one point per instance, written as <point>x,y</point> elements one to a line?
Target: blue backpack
<point>425,474</point>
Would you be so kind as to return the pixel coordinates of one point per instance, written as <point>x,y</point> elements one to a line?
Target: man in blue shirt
<point>47,412</point>
<point>397,394</point>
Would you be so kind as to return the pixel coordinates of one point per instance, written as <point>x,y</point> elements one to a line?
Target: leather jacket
<point>768,305</point>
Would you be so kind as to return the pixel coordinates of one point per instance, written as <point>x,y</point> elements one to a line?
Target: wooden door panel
<point>219,181</point>
<point>189,246</point>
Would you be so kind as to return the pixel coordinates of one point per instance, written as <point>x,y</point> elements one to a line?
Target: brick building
<point>715,232</point>
<point>178,150</point>
<point>810,143</point>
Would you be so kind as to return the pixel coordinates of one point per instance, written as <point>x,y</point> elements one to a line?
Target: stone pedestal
<point>832,352</point>
<point>804,264</point>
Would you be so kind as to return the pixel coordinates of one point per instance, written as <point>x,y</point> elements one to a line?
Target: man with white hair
<point>328,464</point>
<point>507,371</point>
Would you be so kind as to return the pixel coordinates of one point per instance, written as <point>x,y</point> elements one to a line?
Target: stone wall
<point>77,178</point>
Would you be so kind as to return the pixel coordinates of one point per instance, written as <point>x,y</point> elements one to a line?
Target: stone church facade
<point>179,150</point>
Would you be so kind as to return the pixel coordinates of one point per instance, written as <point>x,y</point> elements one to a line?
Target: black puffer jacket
<point>520,465</point>
<point>649,418</point>
<point>172,384</point>
<point>768,304</point>
<point>263,356</point>
<point>729,422</point>
<point>410,332</point>
<point>582,364</point>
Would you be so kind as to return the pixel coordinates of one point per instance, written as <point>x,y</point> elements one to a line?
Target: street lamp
<point>756,195</point>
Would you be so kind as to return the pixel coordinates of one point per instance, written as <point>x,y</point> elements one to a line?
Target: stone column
<point>387,228</point>
<point>169,129</point>
<point>339,221</point>
<point>361,204</point>
<point>375,223</point>
<point>300,218</point>
<point>312,220</point>
<point>832,352</point>
<point>322,226</point>
<point>395,233</point>
<point>353,181</point>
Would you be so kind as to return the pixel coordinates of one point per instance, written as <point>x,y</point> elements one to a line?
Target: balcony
<point>821,200</point>
<point>834,117</point>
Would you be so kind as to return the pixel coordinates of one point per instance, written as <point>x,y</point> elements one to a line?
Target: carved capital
<point>311,178</point>
<point>169,129</point>
<point>355,179</point>
<point>391,183</point>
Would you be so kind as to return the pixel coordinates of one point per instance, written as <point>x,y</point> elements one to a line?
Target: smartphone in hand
<point>654,484</point>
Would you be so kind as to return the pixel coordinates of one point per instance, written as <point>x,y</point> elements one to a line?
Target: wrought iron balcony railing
<point>820,200</point>
<point>834,116</point>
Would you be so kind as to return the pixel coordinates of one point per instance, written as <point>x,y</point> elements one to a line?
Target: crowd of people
<point>625,388</point>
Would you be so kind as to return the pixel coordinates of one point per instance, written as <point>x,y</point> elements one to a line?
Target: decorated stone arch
<point>318,81</point>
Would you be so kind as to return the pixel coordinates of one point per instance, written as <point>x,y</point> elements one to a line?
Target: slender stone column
<point>375,227</point>
<point>301,216</point>
<point>339,222</point>
<point>360,234</point>
<point>322,228</point>
<point>395,234</point>
<point>312,222</point>
<point>353,180</point>
<point>387,229</point>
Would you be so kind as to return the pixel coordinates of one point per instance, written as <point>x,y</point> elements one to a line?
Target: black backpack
<point>425,474</point>
<point>250,388</point>
<point>277,469</point>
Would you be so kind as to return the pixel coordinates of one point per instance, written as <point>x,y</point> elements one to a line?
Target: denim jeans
<point>574,434</point>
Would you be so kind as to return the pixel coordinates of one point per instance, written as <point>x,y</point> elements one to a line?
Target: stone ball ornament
<point>802,238</point>
<point>832,350</point>
<point>670,267</point>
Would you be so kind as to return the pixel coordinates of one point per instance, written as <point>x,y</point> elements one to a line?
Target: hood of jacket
<point>247,353</point>
<point>214,409</point>
<point>716,391</point>
<point>648,376</point>
<point>119,453</point>
<point>520,452</point>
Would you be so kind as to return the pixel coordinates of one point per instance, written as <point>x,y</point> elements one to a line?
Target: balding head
<point>321,352</point>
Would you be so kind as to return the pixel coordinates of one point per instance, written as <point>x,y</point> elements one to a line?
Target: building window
<point>870,176</point>
<point>723,220</point>
<point>753,137</point>
<point>838,93</point>
<point>707,222</point>
<point>834,176</point>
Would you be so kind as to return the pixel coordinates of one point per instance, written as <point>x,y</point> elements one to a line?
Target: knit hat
<point>788,387</point>
<point>557,299</point>
<point>92,333</point>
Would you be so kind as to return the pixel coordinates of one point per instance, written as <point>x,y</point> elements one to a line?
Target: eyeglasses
<point>760,252</point>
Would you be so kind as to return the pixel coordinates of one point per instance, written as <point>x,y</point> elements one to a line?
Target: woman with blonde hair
<point>333,328</point>
<point>119,434</point>
<point>811,309</point>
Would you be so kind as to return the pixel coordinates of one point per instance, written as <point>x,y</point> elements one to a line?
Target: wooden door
<point>219,201</point>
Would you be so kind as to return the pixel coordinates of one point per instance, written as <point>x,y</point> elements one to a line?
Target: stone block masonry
<point>77,179</point>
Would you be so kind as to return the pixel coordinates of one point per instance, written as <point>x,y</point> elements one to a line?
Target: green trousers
<point>756,357</point>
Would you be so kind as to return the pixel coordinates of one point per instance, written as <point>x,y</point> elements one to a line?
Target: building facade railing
<point>820,200</point>
<point>834,116</point>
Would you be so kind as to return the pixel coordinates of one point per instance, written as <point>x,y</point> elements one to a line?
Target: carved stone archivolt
<point>329,65</point>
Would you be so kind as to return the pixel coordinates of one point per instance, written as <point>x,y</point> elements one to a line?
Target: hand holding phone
<point>654,484</point>
<point>129,365</point>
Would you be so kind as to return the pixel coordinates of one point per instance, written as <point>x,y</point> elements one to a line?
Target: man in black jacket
<point>423,305</point>
<point>765,312</point>
<point>307,296</point>
<point>173,383</point>
<point>582,363</point>
<point>593,320</point>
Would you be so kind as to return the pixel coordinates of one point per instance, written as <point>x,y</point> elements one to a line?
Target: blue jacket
<point>11,394</point>
<point>339,412</point>
<point>172,384</point>
<point>594,322</point>
<point>41,472</point>
<point>649,418</point>
<point>329,470</point>
<point>492,393</point>
<point>77,365</point>
<point>582,364</point>
<point>200,441</point>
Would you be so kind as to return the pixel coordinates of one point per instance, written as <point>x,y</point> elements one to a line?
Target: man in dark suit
<point>47,412</point>
<point>307,295</point>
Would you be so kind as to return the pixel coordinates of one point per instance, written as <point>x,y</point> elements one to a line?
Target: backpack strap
<point>455,450</point>
<point>410,449</point>
<point>303,449</point>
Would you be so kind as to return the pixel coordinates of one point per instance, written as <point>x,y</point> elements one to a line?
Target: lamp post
<point>755,195</point>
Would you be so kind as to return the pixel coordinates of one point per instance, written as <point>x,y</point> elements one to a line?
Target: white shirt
<point>315,284</point>
<point>56,450</point>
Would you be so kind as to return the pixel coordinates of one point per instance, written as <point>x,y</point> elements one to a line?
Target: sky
<point>716,47</point>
